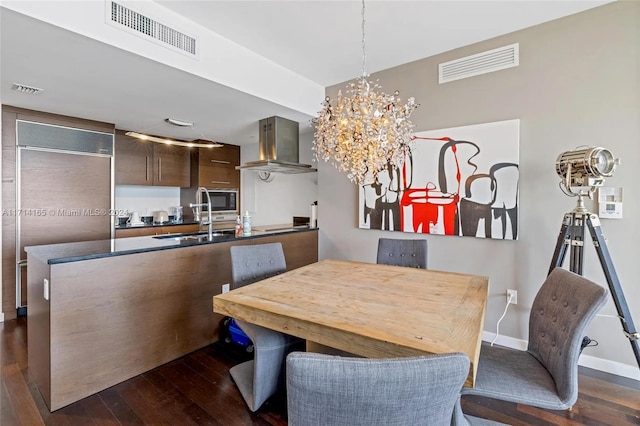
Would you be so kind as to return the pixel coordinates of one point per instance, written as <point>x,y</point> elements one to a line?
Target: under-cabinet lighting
<point>157,139</point>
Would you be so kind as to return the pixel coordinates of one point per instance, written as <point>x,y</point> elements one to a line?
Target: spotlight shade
<point>604,162</point>
<point>586,167</point>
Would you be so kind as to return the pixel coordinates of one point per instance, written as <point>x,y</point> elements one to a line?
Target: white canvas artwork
<point>459,181</point>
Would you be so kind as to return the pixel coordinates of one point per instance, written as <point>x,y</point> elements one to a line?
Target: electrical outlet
<point>225,288</point>
<point>512,296</point>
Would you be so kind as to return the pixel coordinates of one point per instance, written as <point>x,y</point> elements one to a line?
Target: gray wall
<point>577,84</point>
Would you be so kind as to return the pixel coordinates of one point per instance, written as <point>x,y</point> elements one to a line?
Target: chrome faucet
<point>199,204</point>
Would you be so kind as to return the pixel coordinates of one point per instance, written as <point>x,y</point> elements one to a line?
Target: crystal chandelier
<point>366,130</point>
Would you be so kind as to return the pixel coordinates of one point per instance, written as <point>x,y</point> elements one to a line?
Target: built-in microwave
<point>224,203</point>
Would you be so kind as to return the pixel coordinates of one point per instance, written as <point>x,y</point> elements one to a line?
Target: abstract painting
<point>460,181</point>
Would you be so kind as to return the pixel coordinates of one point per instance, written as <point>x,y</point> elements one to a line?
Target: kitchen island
<point>101,312</point>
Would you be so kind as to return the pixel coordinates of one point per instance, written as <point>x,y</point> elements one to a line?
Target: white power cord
<point>610,316</point>
<point>501,318</point>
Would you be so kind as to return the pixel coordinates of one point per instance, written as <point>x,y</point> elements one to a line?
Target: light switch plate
<point>225,288</point>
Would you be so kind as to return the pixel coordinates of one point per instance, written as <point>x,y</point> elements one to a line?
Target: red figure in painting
<point>462,202</point>
<point>435,209</point>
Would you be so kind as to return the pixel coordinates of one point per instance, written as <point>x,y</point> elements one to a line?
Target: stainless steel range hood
<point>279,148</point>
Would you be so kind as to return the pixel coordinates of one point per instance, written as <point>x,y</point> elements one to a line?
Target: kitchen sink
<point>196,236</point>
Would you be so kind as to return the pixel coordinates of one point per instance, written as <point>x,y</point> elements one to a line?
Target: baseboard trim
<point>605,365</point>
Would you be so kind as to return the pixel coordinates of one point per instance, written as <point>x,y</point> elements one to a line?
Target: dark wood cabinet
<point>227,155</point>
<point>218,177</point>
<point>217,167</point>
<point>133,161</point>
<point>140,162</point>
<point>171,165</point>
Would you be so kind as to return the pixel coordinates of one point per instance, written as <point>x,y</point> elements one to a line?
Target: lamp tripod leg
<point>561,244</point>
<point>600,243</point>
<point>577,243</point>
<point>572,235</point>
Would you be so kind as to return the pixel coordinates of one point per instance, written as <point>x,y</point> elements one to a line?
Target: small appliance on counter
<point>134,219</point>
<point>175,214</point>
<point>160,217</point>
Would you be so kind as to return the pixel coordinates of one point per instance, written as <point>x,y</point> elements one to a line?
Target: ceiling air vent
<point>151,28</point>
<point>480,63</point>
<point>26,89</point>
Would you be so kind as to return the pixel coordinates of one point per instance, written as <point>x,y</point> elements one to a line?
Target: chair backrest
<point>561,311</point>
<point>333,390</point>
<point>253,263</point>
<point>400,252</point>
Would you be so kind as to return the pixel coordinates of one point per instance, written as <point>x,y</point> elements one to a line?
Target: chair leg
<point>242,376</point>
<point>261,378</point>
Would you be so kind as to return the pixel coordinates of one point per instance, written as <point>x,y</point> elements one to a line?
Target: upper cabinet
<point>226,155</point>
<point>147,163</point>
<point>217,167</point>
<point>171,165</point>
<point>133,161</point>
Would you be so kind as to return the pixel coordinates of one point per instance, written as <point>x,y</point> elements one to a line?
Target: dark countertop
<point>85,250</point>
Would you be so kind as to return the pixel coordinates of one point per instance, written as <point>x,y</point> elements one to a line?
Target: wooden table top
<point>371,310</point>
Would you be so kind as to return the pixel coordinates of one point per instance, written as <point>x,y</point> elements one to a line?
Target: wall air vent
<point>151,28</point>
<point>26,89</point>
<point>480,63</point>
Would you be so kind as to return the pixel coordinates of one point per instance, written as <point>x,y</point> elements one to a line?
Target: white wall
<point>288,195</point>
<point>577,84</point>
<point>146,199</point>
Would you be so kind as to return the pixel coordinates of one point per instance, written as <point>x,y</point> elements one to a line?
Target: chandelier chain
<point>364,51</point>
<point>365,131</point>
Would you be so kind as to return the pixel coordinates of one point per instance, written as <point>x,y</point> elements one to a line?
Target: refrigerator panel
<point>63,197</point>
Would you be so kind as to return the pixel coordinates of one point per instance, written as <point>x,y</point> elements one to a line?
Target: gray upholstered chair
<point>332,390</point>
<point>546,374</point>
<point>400,252</point>
<point>261,377</point>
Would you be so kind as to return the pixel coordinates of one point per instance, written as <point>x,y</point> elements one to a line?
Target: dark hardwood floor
<point>197,390</point>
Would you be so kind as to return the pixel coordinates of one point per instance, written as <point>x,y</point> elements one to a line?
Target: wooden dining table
<point>369,310</point>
